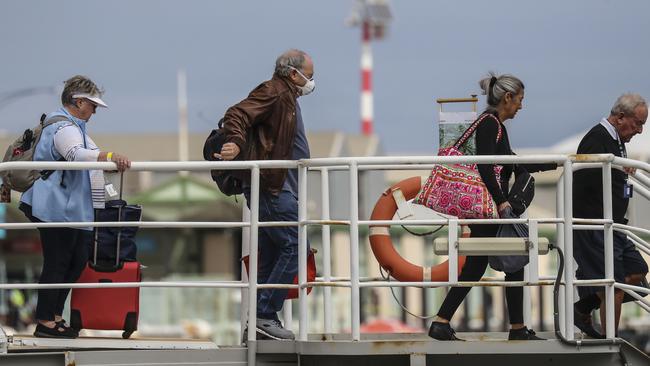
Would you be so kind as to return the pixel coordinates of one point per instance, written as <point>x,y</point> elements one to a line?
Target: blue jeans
<point>278,250</point>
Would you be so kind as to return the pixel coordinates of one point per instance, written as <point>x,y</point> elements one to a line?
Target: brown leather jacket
<point>264,127</point>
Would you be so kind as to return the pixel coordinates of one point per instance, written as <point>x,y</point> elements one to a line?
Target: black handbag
<point>522,192</point>
<point>510,263</point>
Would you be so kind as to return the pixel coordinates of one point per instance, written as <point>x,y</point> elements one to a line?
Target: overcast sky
<point>575,58</point>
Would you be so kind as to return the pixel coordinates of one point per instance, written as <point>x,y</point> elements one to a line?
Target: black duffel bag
<point>108,238</point>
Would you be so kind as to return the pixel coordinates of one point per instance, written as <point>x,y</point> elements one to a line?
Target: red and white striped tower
<point>373,17</point>
<point>366,80</point>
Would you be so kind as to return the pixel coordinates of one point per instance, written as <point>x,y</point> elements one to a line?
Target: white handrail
<point>633,288</point>
<point>238,284</point>
<point>564,222</point>
<point>642,178</point>
<point>629,163</point>
<point>638,242</point>
<point>164,166</point>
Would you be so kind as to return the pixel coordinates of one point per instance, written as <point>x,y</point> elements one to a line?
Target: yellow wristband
<point>109,156</point>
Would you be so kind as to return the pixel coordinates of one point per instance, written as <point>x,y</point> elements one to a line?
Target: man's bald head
<point>291,58</point>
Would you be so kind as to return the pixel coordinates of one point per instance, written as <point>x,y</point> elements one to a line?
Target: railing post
<point>4,341</point>
<point>528,304</point>
<point>453,251</point>
<point>327,261</point>
<point>252,275</point>
<point>531,271</point>
<point>568,249</point>
<point>559,237</point>
<point>302,252</point>
<point>533,251</point>
<point>609,251</point>
<point>287,314</point>
<point>355,317</point>
<point>245,250</point>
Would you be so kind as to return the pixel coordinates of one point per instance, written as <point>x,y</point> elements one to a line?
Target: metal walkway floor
<point>483,349</point>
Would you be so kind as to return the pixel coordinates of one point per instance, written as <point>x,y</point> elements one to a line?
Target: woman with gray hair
<point>66,196</point>
<point>505,94</point>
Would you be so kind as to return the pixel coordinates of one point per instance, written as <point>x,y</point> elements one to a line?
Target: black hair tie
<point>493,81</point>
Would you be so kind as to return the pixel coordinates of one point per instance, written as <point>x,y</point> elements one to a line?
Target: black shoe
<point>523,334</point>
<point>61,323</point>
<point>57,332</point>
<point>585,324</point>
<point>443,332</point>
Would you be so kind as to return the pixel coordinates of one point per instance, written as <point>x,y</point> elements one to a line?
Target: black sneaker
<point>585,324</point>
<point>523,334</point>
<point>57,332</point>
<point>443,332</point>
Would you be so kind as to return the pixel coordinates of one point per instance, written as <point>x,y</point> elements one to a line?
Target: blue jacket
<point>54,200</point>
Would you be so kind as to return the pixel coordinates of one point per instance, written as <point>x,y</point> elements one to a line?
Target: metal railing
<point>564,222</point>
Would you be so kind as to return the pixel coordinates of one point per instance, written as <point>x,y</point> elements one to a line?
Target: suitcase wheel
<point>130,324</point>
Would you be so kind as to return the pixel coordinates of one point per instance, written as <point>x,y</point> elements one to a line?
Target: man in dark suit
<point>627,118</point>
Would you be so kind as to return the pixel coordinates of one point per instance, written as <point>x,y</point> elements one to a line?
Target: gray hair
<point>627,103</point>
<point>496,87</point>
<point>290,58</point>
<point>79,84</point>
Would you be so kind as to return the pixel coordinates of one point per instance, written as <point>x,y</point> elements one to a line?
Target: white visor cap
<point>93,98</point>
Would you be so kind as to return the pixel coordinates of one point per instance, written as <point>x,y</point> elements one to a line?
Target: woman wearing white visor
<point>66,196</point>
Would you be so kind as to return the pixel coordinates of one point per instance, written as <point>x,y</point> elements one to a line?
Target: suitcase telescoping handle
<point>119,231</point>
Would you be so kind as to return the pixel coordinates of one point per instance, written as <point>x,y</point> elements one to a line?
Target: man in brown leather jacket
<point>268,125</point>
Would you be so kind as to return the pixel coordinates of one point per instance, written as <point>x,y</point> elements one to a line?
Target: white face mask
<point>309,86</point>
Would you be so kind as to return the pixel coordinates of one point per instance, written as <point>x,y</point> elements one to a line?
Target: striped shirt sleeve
<point>69,143</point>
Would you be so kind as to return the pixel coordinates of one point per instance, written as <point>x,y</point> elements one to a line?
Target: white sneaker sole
<point>262,332</point>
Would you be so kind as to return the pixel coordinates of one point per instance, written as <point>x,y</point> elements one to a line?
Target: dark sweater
<point>588,183</point>
<point>487,144</point>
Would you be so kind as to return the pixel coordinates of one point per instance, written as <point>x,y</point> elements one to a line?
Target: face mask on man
<point>309,86</point>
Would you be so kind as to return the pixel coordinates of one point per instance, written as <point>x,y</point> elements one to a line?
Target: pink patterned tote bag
<point>457,189</point>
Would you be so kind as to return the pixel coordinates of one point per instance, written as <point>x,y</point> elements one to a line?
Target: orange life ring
<point>383,248</point>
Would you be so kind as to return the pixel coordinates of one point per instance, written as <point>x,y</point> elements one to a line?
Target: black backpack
<point>228,181</point>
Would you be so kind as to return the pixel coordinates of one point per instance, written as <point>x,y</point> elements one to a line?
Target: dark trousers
<point>278,250</point>
<point>473,270</point>
<point>65,253</point>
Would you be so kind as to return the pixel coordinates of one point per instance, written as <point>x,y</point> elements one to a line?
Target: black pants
<point>473,270</point>
<point>65,253</point>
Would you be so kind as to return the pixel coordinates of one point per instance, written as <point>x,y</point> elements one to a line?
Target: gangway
<point>354,347</point>
<point>326,349</point>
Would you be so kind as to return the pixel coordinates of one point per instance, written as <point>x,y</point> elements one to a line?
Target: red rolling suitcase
<point>107,308</point>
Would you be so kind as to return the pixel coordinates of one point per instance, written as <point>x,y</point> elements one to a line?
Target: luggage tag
<point>110,190</point>
<point>628,190</point>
